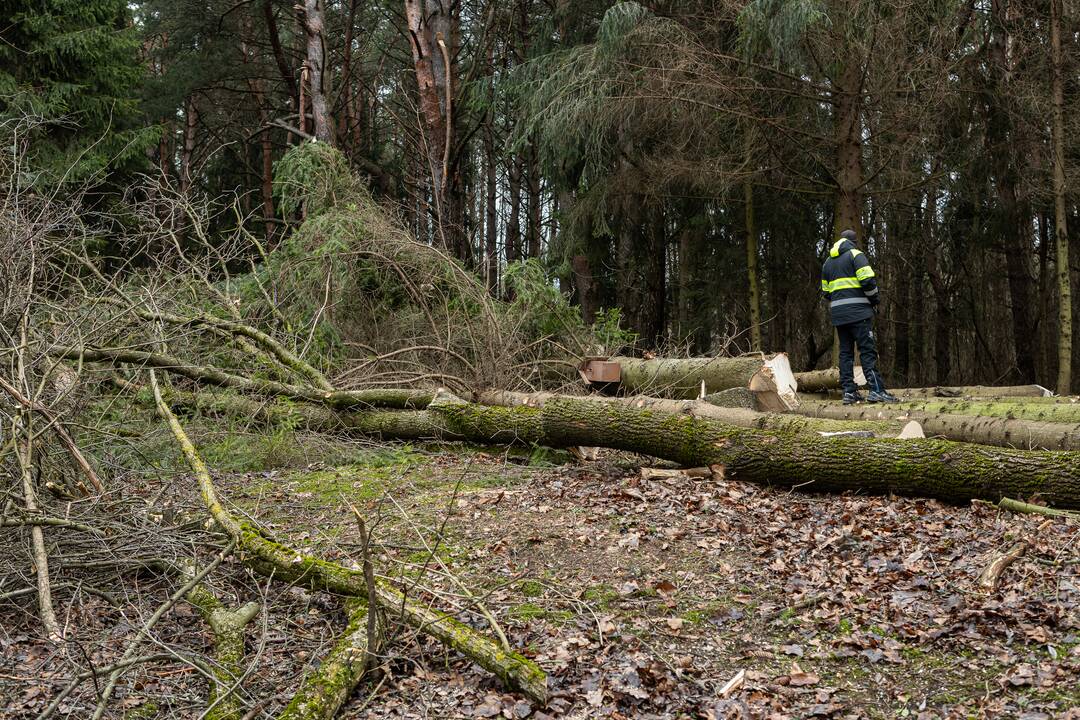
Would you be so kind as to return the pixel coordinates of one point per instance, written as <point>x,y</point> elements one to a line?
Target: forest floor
<point>640,598</point>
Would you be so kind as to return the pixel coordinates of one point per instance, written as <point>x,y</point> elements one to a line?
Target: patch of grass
<point>531,611</point>
<point>600,595</point>
<point>532,588</point>
<point>705,612</point>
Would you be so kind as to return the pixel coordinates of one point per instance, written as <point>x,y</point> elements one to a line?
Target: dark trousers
<point>859,333</point>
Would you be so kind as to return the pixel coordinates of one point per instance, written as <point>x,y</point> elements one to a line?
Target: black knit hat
<point>848,235</point>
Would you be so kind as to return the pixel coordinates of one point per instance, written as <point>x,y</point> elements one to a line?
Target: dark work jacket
<point>848,284</point>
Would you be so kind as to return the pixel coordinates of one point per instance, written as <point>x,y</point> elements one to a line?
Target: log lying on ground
<point>228,628</point>
<point>285,563</point>
<point>970,428</point>
<point>829,379</point>
<point>1008,408</point>
<point>324,691</point>
<point>953,472</point>
<point>378,423</point>
<point>770,377</point>
<point>949,471</point>
<point>966,391</point>
<point>703,409</point>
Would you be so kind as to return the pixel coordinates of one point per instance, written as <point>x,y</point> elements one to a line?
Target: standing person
<point>847,282</point>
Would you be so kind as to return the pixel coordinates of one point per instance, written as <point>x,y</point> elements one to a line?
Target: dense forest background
<point>683,161</point>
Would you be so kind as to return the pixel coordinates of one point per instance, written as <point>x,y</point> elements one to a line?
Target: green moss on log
<point>949,471</point>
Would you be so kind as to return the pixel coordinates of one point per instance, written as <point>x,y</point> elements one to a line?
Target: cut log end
<point>774,386</point>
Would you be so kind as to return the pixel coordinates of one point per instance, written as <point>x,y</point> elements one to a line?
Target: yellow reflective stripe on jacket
<point>855,252</point>
<point>864,272</point>
<point>835,251</point>
<point>846,283</point>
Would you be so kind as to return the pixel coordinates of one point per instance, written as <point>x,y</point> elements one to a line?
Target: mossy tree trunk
<point>327,689</point>
<point>963,422</point>
<point>953,472</point>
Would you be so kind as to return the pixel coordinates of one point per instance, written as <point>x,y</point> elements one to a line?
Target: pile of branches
<point>76,324</point>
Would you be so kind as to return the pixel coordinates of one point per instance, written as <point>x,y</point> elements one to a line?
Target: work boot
<point>850,398</point>
<point>881,397</point>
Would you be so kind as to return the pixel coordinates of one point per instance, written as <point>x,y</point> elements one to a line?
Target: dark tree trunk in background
<point>584,290</point>
<point>654,320</point>
<point>848,138</point>
<point>535,230</point>
<point>513,222</point>
<point>1061,229</point>
<point>491,217</point>
<point>1000,140</point>
<point>288,74</point>
<point>187,157</point>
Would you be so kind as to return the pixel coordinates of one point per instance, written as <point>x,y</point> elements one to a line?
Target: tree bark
<point>1061,231</point>
<point>318,78</point>
<point>948,471</point>
<point>228,628</point>
<point>325,691</point>
<point>1049,412</point>
<point>287,72</point>
<point>743,417</point>
<point>433,36</point>
<point>848,137</point>
<point>491,183</point>
<point>976,391</point>
<point>583,288</point>
<point>684,378</point>
<point>754,296</point>
<point>964,422</point>
<point>187,155</point>
<point>827,379</point>
<point>1001,140</point>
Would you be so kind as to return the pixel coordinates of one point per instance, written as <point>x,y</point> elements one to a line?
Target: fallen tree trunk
<point>1037,411</point>
<point>770,377</point>
<point>389,424</point>
<point>284,563</point>
<point>703,409</point>
<point>966,391</point>
<point>228,628</point>
<point>948,471</point>
<point>970,428</point>
<point>829,379</point>
<point>323,692</point>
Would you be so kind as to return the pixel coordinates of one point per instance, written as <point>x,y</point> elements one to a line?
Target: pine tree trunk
<point>318,78</point>
<point>286,71</point>
<point>1001,139</point>
<point>1061,231</point>
<point>754,295</point>
<point>848,138</point>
